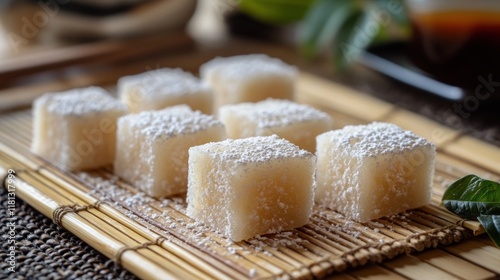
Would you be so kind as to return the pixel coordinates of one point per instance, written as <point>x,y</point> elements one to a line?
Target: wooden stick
<point>100,52</point>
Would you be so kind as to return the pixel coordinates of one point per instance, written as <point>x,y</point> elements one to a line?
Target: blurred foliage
<point>343,27</point>
<point>276,11</point>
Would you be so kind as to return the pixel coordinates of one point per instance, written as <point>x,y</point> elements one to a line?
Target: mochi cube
<point>299,124</point>
<point>248,78</point>
<point>161,88</point>
<point>370,171</point>
<point>252,186</point>
<point>76,129</point>
<point>152,147</point>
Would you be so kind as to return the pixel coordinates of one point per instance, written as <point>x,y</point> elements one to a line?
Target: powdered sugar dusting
<point>253,149</point>
<point>163,124</point>
<point>376,139</point>
<point>162,82</point>
<point>275,113</point>
<point>80,101</point>
<point>243,66</point>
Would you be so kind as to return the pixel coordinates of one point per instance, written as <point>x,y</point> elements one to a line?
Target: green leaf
<point>276,11</point>
<point>491,224</point>
<point>352,39</point>
<point>319,24</point>
<point>472,196</point>
<point>333,24</point>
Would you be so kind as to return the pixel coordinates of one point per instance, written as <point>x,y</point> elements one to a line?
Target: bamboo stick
<point>455,265</point>
<point>477,152</point>
<point>343,99</point>
<point>341,277</point>
<point>96,52</point>
<point>375,272</point>
<point>478,253</point>
<point>410,267</point>
<point>457,167</point>
<point>452,218</point>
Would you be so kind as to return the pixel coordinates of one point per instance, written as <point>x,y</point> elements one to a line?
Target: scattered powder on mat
<point>200,235</point>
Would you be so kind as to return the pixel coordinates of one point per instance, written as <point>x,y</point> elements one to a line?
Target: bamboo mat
<point>155,239</point>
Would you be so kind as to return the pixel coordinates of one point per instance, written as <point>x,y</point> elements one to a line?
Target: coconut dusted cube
<point>252,186</point>
<point>248,78</point>
<point>370,171</point>
<point>299,124</point>
<point>152,147</point>
<point>76,129</point>
<point>161,88</point>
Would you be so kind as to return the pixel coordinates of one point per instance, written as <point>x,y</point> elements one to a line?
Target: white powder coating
<point>152,147</point>
<point>79,102</point>
<point>169,122</point>
<point>276,112</point>
<point>247,187</point>
<point>248,78</point>
<point>376,139</point>
<point>253,150</point>
<point>297,123</point>
<point>242,66</point>
<point>76,129</point>
<point>161,88</point>
<point>369,171</point>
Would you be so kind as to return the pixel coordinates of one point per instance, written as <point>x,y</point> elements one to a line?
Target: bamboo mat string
<point>123,249</point>
<point>62,210</point>
<point>461,222</point>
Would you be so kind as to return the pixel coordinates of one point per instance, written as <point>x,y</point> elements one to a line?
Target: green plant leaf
<point>333,24</point>
<point>319,24</point>
<point>276,11</point>
<point>352,39</point>
<point>491,224</point>
<point>471,196</point>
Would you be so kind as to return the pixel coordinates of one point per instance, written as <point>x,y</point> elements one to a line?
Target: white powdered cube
<point>76,129</point>
<point>299,124</point>
<point>161,88</point>
<point>152,147</point>
<point>248,78</point>
<point>252,186</point>
<point>370,171</point>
